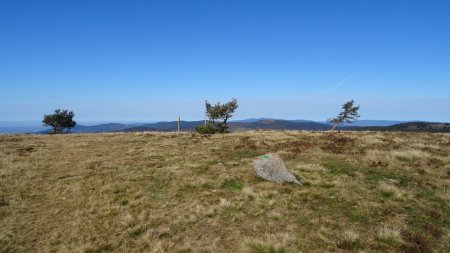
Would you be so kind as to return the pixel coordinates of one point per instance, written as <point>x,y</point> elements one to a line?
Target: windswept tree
<point>348,115</point>
<point>219,114</point>
<point>61,121</point>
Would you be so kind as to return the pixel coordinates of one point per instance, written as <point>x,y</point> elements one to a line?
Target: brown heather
<point>163,192</point>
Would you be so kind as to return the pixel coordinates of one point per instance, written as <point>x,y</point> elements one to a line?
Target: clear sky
<point>154,60</point>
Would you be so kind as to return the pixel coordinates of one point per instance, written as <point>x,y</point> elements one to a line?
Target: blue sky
<point>155,60</point>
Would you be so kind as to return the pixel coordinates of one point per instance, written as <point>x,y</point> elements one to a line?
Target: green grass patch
<point>233,186</point>
<point>336,167</point>
<point>212,162</point>
<point>137,232</point>
<point>387,194</point>
<point>403,158</point>
<point>376,175</point>
<point>247,153</point>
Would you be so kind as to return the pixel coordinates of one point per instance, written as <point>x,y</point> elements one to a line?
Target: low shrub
<point>208,129</point>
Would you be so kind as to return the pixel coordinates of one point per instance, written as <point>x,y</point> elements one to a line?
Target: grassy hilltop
<point>163,192</point>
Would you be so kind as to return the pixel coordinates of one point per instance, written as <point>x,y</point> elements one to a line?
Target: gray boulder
<point>272,168</point>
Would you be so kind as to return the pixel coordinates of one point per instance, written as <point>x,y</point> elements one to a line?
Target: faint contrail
<point>340,83</point>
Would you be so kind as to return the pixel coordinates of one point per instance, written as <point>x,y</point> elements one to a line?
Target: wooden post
<point>178,123</point>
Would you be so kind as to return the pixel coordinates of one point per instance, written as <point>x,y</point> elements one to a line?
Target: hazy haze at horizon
<point>150,61</point>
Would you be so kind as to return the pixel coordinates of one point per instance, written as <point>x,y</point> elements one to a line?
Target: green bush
<point>208,129</point>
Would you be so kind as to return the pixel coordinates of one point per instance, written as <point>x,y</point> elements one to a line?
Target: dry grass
<point>389,235</point>
<point>159,192</point>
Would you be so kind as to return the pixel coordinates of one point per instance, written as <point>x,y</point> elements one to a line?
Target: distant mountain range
<point>367,125</point>
<point>362,123</point>
<point>262,123</point>
<point>277,124</point>
<point>431,127</point>
<point>381,123</point>
<point>238,125</point>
